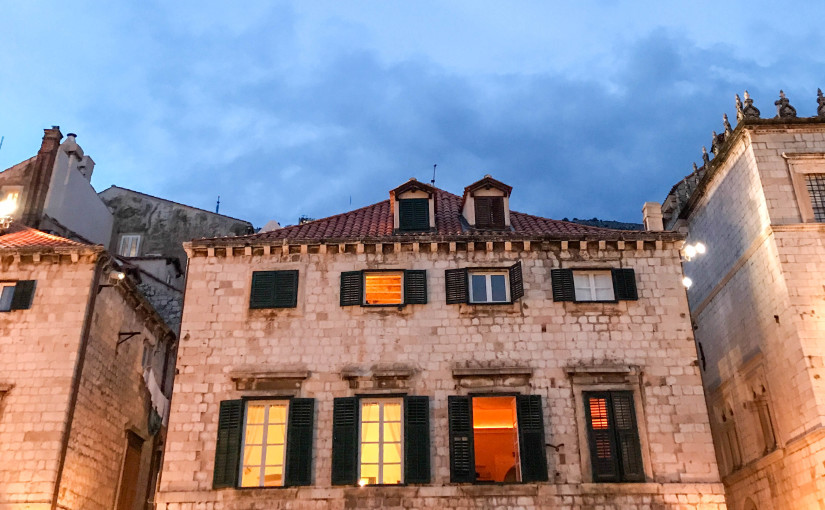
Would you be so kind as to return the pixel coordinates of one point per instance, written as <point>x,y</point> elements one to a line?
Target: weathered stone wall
<point>221,336</point>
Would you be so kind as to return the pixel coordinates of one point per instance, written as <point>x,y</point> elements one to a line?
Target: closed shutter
<point>286,289</point>
<point>627,436</point>
<point>23,295</point>
<point>624,285</point>
<point>352,288</point>
<point>462,458</point>
<point>497,212</point>
<point>516,282</point>
<point>228,448</point>
<point>345,441</point>
<point>601,435</point>
<point>484,211</point>
<point>417,439</point>
<point>531,438</point>
<point>414,214</point>
<point>455,282</point>
<point>415,287</point>
<point>274,289</point>
<point>563,287</point>
<point>299,441</point>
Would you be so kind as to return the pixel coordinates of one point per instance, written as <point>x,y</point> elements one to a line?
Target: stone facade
<point>532,346</point>
<point>757,305</point>
<point>70,391</point>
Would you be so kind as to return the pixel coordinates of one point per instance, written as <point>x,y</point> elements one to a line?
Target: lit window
<point>489,287</point>
<point>593,285</point>
<point>496,439</point>
<point>816,190</point>
<point>383,288</point>
<point>615,451</point>
<point>381,441</point>
<point>129,245</point>
<point>264,437</point>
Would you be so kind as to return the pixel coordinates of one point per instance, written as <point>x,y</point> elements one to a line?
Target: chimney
<point>86,167</point>
<point>652,216</point>
<point>38,186</point>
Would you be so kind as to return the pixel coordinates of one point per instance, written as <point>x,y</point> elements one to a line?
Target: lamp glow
<point>7,208</point>
<point>690,251</point>
<point>700,248</point>
<point>362,482</point>
<point>687,282</point>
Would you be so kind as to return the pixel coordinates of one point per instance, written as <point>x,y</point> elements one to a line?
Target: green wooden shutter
<point>531,438</point>
<point>603,454</point>
<point>23,295</point>
<point>516,282</point>
<point>415,287</point>
<point>484,211</point>
<point>414,214</point>
<point>563,287</point>
<point>624,284</point>
<point>462,457</point>
<point>228,448</point>
<point>352,288</point>
<point>299,434</point>
<point>627,436</point>
<point>345,441</point>
<point>497,212</point>
<point>455,282</point>
<point>417,439</point>
<point>263,290</point>
<point>286,289</point>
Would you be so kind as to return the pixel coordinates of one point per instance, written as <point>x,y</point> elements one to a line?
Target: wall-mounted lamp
<point>687,282</point>
<point>691,250</point>
<point>7,208</point>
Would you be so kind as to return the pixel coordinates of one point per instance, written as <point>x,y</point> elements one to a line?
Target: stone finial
<point>749,111</point>
<point>820,100</point>
<point>784,110</point>
<point>728,129</point>
<point>705,156</point>
<point>695,168</point>
<point>739,114</point>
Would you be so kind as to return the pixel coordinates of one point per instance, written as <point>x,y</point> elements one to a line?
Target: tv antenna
<point>433,181</point>
<point>1,141</point>
<point>218,206</point>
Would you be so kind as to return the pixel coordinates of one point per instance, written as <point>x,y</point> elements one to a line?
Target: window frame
<point>458,284</point>
<point>495,201</point>
<point>488,273</point>
<point>132,237</point>
<point>28,287</point>
<point>416,228</point>
<point>3,287</point>
<point>277,293</point>
<point>367,272</point>
<point>381,400</point>
<point>614,434</point>
<point>800,165</point>
<point>413,288</point>
<point>268,402</point>
<point>591,272</point>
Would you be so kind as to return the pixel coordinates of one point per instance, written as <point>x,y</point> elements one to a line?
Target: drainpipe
<point>78,372</point>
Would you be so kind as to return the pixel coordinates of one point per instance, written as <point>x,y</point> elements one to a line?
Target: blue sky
<point>301,108</point>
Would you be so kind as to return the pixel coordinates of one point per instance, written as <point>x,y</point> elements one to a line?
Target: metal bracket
<point>124,336</point>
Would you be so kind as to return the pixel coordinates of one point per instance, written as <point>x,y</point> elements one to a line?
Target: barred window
<point>816,190</point>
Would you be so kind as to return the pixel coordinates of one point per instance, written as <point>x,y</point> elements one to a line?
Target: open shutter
<point>563,287</point>
<point>415,287</point>
<point>531,438</point>
<point>345,441</point>
<point>352,288</point>
<point>228,448</point>
<point>600,433</point>
<point>286,289</point>
<point>516,282</point>
<point>455,281</point>
<point>23,295</point>
<point>263,289</point>
<point>417,439</point>
<point>299,441</point>
<point>624,285</point>
<point>484,211</point>
<point>462,457</point>
<point>627,436</point>
<point>414,214</point>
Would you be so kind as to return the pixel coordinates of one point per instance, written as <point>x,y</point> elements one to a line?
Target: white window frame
<point>381,442</point>
<point>3,287</point>
<point>133,246</point>
<point>487,275</point>
<point>385,273</point>
<point>591,274</point>
<point>269,404</point>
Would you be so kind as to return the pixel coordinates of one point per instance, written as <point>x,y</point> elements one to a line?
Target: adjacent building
<point>438,351</point>
<point>758,302</point>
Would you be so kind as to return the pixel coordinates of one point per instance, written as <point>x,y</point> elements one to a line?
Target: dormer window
<point>414,214</point>
<point>413,207</point>
<point>489,212</point>
<point>486,204</point>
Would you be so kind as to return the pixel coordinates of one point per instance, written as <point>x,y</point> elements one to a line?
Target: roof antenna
<point>433,181</point>
<point>218,207</point>
<point>1,141</point>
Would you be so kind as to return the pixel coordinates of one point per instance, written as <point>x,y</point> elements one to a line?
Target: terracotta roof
<point>376,222</point>
<point>21,236</point>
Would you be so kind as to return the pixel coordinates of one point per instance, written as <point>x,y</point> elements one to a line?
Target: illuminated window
<point>129,245</point>
<point>264,438</point>
<point>615,451</point>
<point>496,439</point>
<point>384,288</point>
<point>489,287</point>
<point>381,456</point>
<point>593,285</point>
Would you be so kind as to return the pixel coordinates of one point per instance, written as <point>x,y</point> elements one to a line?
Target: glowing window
<point>264,437</point>
<point>495,437</point>
<point>489,287</point>
<point>384,288</point>
<point>593,285</point>
<point>381,441</point>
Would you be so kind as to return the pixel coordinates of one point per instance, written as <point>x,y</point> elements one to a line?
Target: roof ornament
<point>749,111</point>
<point>705,156</point>
<point>695,168</point>
<point>784,110</point>
<point>820,110</point>
<point>726,122</point>
<point>739,114</point>
<point>716,142</point>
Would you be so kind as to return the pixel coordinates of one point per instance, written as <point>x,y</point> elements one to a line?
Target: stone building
<point>438,351</point>
<point>758,301</point>
<point>85,378</point>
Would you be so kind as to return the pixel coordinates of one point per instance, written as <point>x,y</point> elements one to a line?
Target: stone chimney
<point>86,166</point>
<point>38,186</point>
<point>652,216</point>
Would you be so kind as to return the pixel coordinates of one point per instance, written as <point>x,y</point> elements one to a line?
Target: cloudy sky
<point>586,108</point>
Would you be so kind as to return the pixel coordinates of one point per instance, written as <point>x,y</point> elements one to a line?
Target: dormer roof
<point>488,182</point>
<point>413,185</point>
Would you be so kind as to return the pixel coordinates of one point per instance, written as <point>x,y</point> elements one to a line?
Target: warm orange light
<point>383,289</point>
<point>598,413</point>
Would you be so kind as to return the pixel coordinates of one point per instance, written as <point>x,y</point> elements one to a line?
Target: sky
<point>287,109</point>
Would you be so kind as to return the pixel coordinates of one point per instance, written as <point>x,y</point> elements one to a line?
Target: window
<point>264,443</point>
<point>594,285</point>
<point>489,212</point>
<point>414,214</point>
<point>381,440</point>
<point>274,289</point>
<point>128,489</point>
<point>729,441</point>
<point>129,245</point>
<point>484,285</point>
<point>16,295</point>
<point>384,288</point>
<point>615,451</point>
<point>497,439</point>
<point>816,190</point>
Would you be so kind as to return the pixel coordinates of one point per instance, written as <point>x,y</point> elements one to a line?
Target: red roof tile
<point>21,236</point>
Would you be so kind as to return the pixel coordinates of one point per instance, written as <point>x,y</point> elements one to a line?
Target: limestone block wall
<point>221,336</point>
